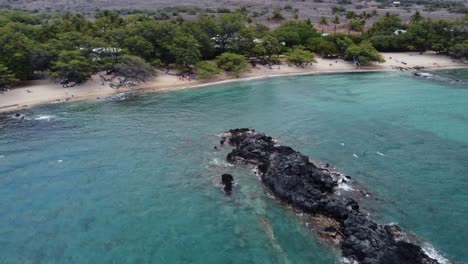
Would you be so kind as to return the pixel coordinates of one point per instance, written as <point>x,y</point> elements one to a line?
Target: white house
<point>399,31</point>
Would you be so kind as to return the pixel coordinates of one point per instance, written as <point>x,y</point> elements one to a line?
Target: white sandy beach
<point>32,93</point>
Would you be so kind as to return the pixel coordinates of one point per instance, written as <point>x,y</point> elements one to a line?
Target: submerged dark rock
<point>291,177</point>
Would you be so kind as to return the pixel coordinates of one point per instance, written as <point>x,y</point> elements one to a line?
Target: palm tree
<point>323,22</point>
<point>357,25</point>
<point>350,15</point>
<point>416,18</point>
<point>364,16</point>
<point>336,21</point>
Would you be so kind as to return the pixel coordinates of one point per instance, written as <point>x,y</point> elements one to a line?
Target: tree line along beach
<point>48,91</point>
<point>114,54</point>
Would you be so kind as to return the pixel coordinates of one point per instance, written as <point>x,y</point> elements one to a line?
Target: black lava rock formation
<point>226,180</point>
<point>292,178</point>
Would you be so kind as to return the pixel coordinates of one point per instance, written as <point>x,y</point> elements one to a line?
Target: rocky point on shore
<point>292,178</point>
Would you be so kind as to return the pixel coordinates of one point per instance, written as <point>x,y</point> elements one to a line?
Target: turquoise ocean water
<point>137,181</point>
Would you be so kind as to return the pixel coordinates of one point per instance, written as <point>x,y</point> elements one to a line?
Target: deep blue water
<point>137,181</point>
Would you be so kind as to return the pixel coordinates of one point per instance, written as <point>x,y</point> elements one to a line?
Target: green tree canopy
<point>363,54</point>
<point>7,78</point>
<point>132,70</point>
<point>141,47</point>
<point>72,66</point>
<point>15,53</point>
<point>300,57</point>
<point>161,36</point>
<point>419,37</point>
<point>106,21</point>
<point>459,51</point>
<point>388,42</point>
<point>203,29</point>
<point>295,33</point>
<point>20,17</point>
<point>185,50</point>
<point>233,63</point>
<point>322,46</point>
<point>41,57</point>
<point>260,30</point>
<point>386,25</point>
<point>268,47</point>
<point>342,42</point>
<point>71,41</point>
<point>207,69</point>
<point>243,41</point>
<point>229,25</point>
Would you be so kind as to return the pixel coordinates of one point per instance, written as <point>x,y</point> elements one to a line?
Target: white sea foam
<point>432,253</point>
<point>59,161</point>
<point>256,172</point>
<point>348,261</point>
<point>2,156</point>
<point>428,249</point>
<point>345,187</point>
<point>380,153</point>
<point>223,134</point>
<point>356,156</point>
<point>44,117</point>
<point>219,163</point>
<point>342,143</point>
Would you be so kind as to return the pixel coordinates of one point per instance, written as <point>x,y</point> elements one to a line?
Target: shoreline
<point>34,93</point>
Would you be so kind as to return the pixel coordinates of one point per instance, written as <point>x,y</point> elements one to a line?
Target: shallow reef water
<point>138,181</point>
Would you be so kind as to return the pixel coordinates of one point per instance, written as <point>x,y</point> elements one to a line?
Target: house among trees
<point>105,53</point>
<point>399,31</point>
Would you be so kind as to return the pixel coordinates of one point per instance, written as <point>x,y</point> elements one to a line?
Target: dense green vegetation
<point>300,57</point>
<point>71,47</point>
<point>233,63</point>
<point>422,34</point>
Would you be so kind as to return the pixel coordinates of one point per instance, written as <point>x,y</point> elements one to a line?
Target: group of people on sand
<point>187,76</point>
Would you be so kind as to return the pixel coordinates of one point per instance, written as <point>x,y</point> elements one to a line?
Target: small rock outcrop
<point>423,74</point>
<point>292,178</point>
<point>226,180</point>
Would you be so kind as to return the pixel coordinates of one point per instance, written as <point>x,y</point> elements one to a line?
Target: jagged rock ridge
<point>292,178</point>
